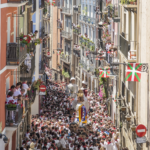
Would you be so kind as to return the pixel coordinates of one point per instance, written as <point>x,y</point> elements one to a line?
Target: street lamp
<point>5,139</point>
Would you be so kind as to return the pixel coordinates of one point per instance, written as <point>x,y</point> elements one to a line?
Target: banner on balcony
<point>104,72</point>
<point>51,2</point>
<point>133,72</point>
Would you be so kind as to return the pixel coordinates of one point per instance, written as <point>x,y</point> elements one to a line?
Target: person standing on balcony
<point>12,89</point>
<point>9,96</point>
<point>25,87</point>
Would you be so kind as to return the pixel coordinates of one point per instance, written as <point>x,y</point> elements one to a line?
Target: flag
<point>51,2</point>
<point>133,72</point>
<point>104,72</point>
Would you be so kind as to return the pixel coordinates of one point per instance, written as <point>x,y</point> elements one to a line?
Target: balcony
<point>59,24</point>
<point>27,69</point>
<point>15,53</point>
<point>41,4</point>
<point>76,50</point>
<point>77,9</point>
<point>67,11</point>
<point>66,35</point>
<point>77,31</point>
<point>32,94</point>
<point>88,19</point>
<point>59,46</point>
<point>65,58</point>
<point>127,4</point>
<point>13,116</point>
<point>33,9</point>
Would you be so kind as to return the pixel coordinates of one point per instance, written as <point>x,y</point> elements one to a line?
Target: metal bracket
<point>17,15</point>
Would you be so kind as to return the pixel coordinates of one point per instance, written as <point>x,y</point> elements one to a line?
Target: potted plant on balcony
<point>135,2</point>
<point>96,72</point>
<point>59,66</point>
<point>11,122</point>
<point>37,41</point>
<point>11,105</point>
<point>66,75</point>
<point>36,84</point>
<point>131,2</point>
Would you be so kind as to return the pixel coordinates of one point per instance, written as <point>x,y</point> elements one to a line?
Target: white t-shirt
<point>25,87</point>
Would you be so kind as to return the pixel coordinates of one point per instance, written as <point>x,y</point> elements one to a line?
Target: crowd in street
<point>54,128</point>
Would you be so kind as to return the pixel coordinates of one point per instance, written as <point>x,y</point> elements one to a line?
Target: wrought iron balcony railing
<point>88,19</point>
<point>66,10</point>
<point>66,34</point>
<point>77,31</point>
<point>27,69</point>
<point>14,116</point>
<point>65,58</point>
<point>22,9</point>
<point>15,53</point>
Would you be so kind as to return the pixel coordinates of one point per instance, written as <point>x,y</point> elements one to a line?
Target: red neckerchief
<point>8,96</point>
<point>108,143</point>
<point>23,83</point>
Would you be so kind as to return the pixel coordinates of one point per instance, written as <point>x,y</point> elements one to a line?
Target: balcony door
<point>7,84</point>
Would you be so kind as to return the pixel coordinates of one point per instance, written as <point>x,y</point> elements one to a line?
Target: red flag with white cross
<point>104,72</point>
<point>133,72</point>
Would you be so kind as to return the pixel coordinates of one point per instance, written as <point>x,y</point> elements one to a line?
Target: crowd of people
<point>55,127</point>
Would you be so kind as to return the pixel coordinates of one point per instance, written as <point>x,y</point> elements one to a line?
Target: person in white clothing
<point>109,145</point>
<point>25,87</point>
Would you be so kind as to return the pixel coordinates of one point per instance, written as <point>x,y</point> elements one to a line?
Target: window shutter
<point>8,30</point>
<point>15,28</point>
<point>31,25</point>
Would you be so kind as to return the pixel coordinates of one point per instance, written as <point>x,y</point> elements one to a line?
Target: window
<point>7,84</point>
<point>124,66</point>
<point>86,31</point>
<point>55,76</point>
<point>128,95</point>
<point>89,32</point>
<point>86,10</point>
<point>93,11</point>
<point>93,35</point>
<point>123,89</point>
<point>90,10</point>
<point>133,104</point>
<point>15,28</point>
<point>8,30</point>
<point>15,77</point>
<point>83,10</point>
